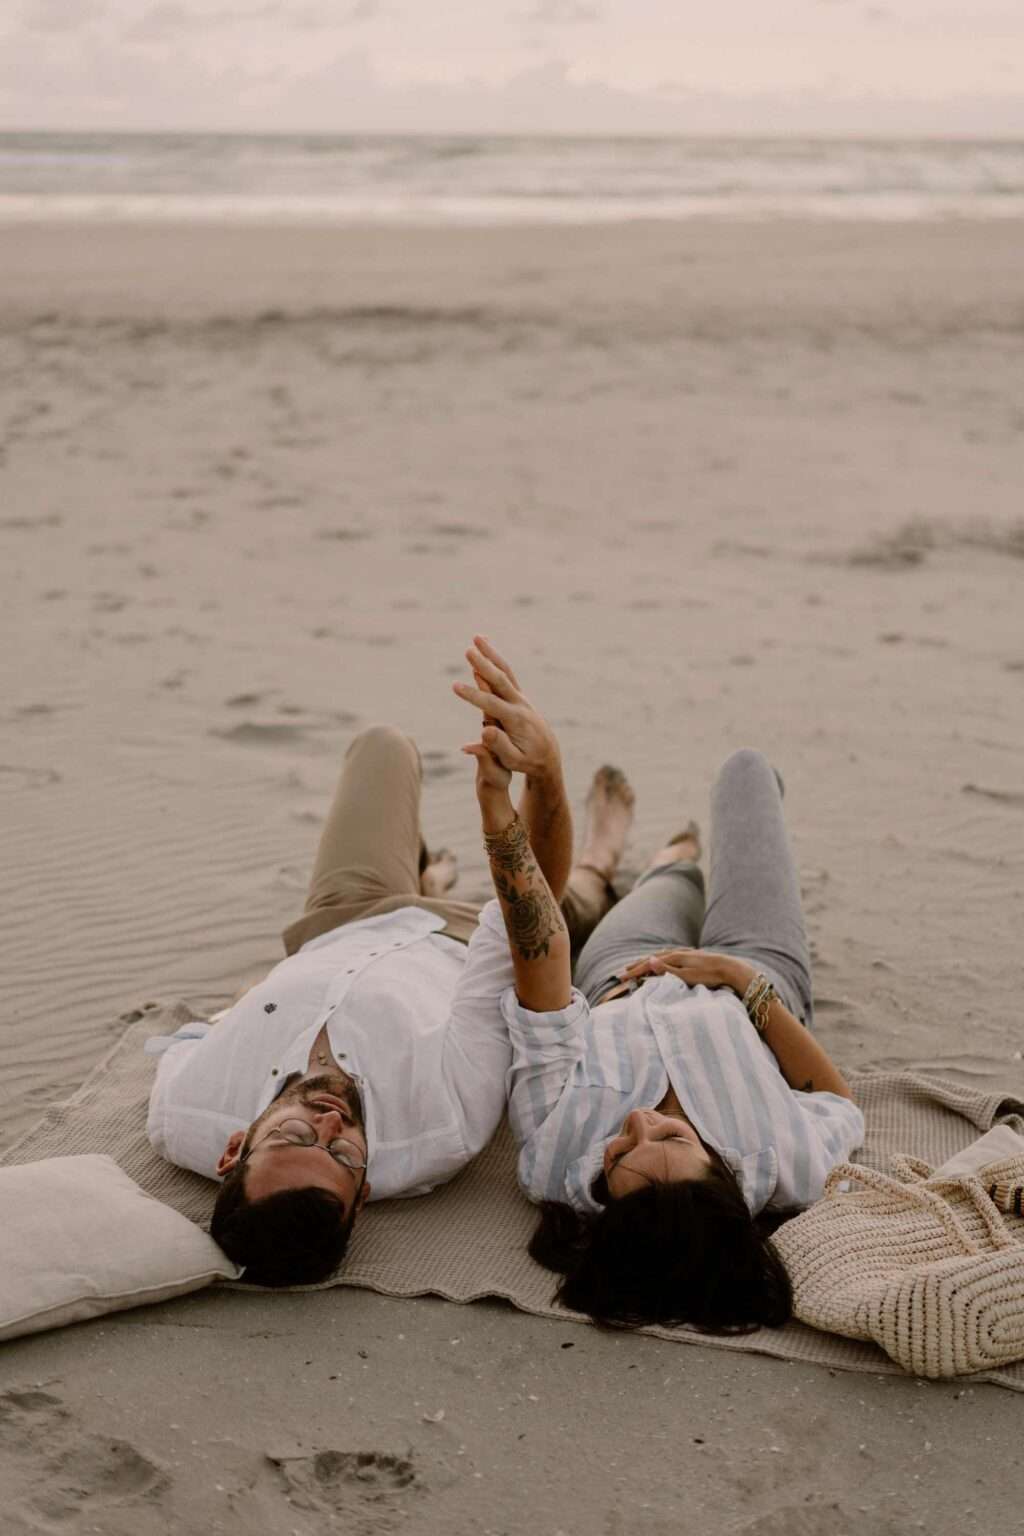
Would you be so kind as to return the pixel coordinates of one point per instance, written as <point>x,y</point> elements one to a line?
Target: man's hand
<point>519,737</point>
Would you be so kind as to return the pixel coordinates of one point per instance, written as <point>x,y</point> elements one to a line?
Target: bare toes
<point>440,874</point>
<point>610,783</point>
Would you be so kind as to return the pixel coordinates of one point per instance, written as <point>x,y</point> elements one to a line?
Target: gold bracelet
<point>509,850</point>
<point>757,1000</point>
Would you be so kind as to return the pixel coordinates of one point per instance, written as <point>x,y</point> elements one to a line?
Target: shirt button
<point>351,971</point>
<point>373,954</point>
<point>273,1071</point>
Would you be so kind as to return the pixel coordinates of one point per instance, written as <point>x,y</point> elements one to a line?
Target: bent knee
<point>749,765</point>
<point>383,739</point>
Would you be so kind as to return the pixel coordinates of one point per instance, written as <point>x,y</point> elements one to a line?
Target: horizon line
<point>661,136</point>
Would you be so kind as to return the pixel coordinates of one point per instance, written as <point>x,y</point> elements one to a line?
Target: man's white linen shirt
<point>414,1017</point>
<point>576,1074</point>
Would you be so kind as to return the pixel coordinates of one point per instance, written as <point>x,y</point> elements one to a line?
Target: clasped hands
<point>514,737</point>
<point>697,967</point>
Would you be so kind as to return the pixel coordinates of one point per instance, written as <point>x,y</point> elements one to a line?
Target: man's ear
<point>362,1197</point>
<point>232,1152</point>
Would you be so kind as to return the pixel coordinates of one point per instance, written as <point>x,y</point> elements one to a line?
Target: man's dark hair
<point>681,1252</point>
<point>295,1237</point>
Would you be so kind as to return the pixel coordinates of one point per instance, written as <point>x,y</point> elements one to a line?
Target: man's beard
<point>338,1086</point>
<point>300,1090</point>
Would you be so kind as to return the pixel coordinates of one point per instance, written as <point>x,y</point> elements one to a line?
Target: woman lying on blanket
<point>674,1098</point>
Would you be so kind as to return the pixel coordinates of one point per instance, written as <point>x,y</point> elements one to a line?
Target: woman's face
<point>653,1149</point>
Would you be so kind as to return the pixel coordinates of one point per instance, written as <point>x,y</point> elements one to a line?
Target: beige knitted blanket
<point>468,1239</point>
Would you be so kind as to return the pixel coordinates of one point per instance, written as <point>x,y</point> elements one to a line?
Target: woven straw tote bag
<point>930,1268</point>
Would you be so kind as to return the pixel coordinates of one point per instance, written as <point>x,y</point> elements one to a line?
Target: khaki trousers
<point>368,861</point>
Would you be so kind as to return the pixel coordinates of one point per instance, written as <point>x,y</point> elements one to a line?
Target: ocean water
<point>498,180</point>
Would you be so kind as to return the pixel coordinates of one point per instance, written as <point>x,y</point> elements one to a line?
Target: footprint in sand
<point>353,1484</point>
<point>54,1473</point>
<point>316,732</point>
<point>254,733</point>
<point>343,535</point>
<point>279,502</point>
<point>109,602</point>
<point>458,531</point>
<point>14,774</point>
<point>831,1519</point>
<point>907,547</point>
<point>1013,797</point>
<point>44,520</point>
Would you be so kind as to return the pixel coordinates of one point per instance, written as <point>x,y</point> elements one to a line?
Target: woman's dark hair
<point>296,1237</point>
<point>681,1252</point>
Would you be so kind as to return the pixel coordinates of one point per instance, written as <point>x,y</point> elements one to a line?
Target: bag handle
<point>925,1195</point>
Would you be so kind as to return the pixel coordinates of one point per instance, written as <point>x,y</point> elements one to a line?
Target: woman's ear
<point>232,1152</point>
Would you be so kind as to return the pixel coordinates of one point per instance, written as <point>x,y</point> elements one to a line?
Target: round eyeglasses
<point>299,1133</point>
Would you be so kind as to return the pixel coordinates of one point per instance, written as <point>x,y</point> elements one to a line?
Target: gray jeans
<point>753,907</point>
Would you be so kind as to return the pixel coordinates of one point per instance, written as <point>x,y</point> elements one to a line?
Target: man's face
<point>330,1106</point>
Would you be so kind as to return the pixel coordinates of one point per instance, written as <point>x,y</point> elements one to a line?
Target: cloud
<point>59,15</point>
<point>296,65</point>
<point>561,12</point>
<point>351,94</point>
<point>170,19</point>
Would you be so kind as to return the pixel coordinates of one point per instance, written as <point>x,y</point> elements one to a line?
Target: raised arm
<point>526,744</point>
<point>537,935</point>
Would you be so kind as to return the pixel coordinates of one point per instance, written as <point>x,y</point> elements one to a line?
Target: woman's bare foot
<point>685,845</point>
<point>609,817</point>
<point>440,873</point>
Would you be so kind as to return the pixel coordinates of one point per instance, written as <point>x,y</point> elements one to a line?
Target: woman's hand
<point>697,967</point>
<point>513,731</point>
<point>492,777</point>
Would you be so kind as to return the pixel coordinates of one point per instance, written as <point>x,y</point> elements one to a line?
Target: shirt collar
<point>409,922</point>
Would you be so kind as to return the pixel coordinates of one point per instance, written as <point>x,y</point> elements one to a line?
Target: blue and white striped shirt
<point>576,1074</point>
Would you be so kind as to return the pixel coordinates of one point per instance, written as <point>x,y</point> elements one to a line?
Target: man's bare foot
<point>685,845</point>
<point>609,817</point>
<point>440,873</point>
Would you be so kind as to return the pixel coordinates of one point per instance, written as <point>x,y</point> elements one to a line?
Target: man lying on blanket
<point>371,1062</point>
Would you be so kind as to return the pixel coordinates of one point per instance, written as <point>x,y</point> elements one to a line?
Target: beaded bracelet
<point>757,1000</point>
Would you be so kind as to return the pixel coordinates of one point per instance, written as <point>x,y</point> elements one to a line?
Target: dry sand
<point>708,485</point>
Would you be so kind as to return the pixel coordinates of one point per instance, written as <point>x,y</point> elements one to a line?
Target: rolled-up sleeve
<point>191,1136</point>
<point>477,1050</point>
<point>833,1128</point>
<point>545,1050</point>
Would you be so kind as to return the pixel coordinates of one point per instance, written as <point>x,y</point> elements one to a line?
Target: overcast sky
<point>830,66</point>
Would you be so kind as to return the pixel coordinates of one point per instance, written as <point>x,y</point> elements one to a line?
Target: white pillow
<point>80,1238</point>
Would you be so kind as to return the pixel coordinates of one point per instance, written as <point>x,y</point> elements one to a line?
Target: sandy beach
<point>708,485</point>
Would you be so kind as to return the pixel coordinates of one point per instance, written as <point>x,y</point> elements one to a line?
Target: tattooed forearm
<point>509,851</point>
<point>538,940</point>
<point>532,918</point>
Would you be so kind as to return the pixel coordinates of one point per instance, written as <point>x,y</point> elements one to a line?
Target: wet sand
<point>707,485</point>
